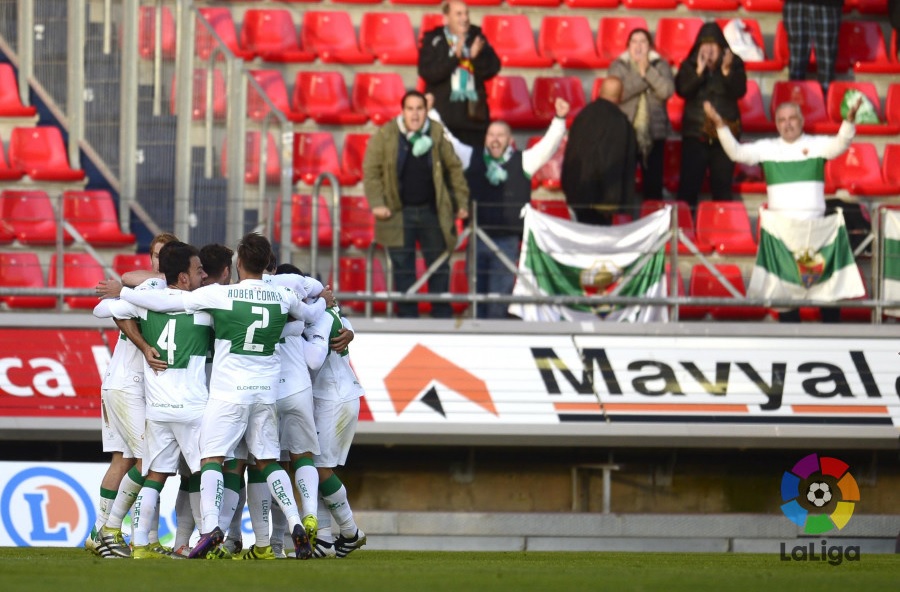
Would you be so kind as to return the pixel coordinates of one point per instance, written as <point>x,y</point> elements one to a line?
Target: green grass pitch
<point>55,569</point>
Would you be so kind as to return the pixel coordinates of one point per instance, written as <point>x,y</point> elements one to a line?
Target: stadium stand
<point>389,37</point>
<point>29,216</point>
<point>23,270</point>
<point>93,215</point>
<point>80,270</point>
<point>41,154</point>
<point>271,36</point>
<point>223,24</point>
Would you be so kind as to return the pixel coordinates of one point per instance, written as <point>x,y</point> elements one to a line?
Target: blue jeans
<point>493,276</point>
<point>420,223</point>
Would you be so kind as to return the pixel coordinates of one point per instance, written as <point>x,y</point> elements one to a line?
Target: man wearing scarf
<point>407,166</point>
<point>454,62</point>
<point>500,185</point>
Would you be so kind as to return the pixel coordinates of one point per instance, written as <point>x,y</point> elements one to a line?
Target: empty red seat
<point>314,153</point>
<point>861,47</point>
<point>301,221</point>
<point>252,158</point>
<point>201,96</point>
<point>331,35</point>
<point>357,222</point>
<point>612,36</point>
<point>378,95</point>
<point>418,2</point>
<point>512,38</point>
<point>271,36</point>
<point>273,87</point>
<point>323,96</point>
<point>94,216</point>
<point>545,3</point>
<point>858,170</point>
<point>685,223</point>
<point>23,270</point>
<point>836,91</point>
<point>222,23</point>
<point>711,5</point>
<point>352,155</point>
<point>753,112</point>
<point>706,285</point>
<point>41,153</point>
<point>725,226</point>
<point>548,88</point>
<point>125,262</point>
<point>763,5</point>
<point>552,207</point>
<point>568,40</point>
<point>767,64</point>
<point>459,284</point>
<point>8,173</point>
<point>147,33</point>
<point>748,178</point>
<point>30,217</point>
<point>592,3</point>
<point>80,270</point>
<point>650,4</point>
<point>890,166</point>
<point>10,101</point>
<point>352,276</point>
<point>508,99</point>
<point>807,94</point>
<point>873,7</point>
<point>675,36</point>
<point>430,20</point>
<point>389,37</point>
<point>892,104</point>
<point>550,173</point>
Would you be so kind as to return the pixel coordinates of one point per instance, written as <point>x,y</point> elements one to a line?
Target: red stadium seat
<point>430,20</point>
<point>301,221</point>
<point>10,102</point>
<point>807,94</point>
<point>592,3</point>
<point>508,99</point>
<point>389,37</point>
<point>550,174</point>
<point>512,38</point>
<point>41,153</point>
<point>271,36</point>
<point>873,7</point>
<point>726,226</point>
<point>418,2</point>
<point>80,270</point>
<point>548,88</point>
<point>650,4</point>
<point>94,216</point>
<point>890,166</point>
<point>352,275</point>
<point>705,284</point>
<point>552,207</point>
<point>352,155</point>
<point>29,216</point>
<point>672,167</point>
<point>314,153</point>
<point>612,36</point>
<point>836,91</point>
<point>711,5</point>
<point>124,262</point>
<point>459,284</point>
<point>892,104</point>
<point>763,5</point>
<point>377,95</point>
<point>544,3</point>
<point>8,173</point>
<point>221,21</point>
<point>685,223</point>
<point>200,90</point>
<point>753,112</point>
<point>767,64</point>
<point>858,170</point>
<point>675,110</point>
<point>323,96</point>
<point>357,222</point>
<point>272,85</point>
<point>147,33</point>
<point>331,35</point>
<point>675,36</point>
<point>23,270</point>
<point>748,179</point>
<point>861,47</point>
<point>568,40</point>
<point>252,159</point>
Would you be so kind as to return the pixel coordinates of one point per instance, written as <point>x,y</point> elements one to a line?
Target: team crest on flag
<point>811,267</point>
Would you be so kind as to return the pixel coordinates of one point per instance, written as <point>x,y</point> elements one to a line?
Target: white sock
<point>324,516</point>
<point>184,516</point>
<point>153,535</point>
<point>281,488</point>
<point>259,502</point>
<point>128,491</point>
<point>144,515</point>
<point>212,486</point>
<point>104,506</point>
<point>234,529</point>
<point>230,499</point>
<point>307,480</point>
<point>340,508</point>
<point>279,527</point>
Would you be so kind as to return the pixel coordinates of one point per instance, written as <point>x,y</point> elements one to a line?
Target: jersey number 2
<point>257,324</point>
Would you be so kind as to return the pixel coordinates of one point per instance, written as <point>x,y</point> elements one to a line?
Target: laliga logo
<point>46,507</point>
<point>820,494</point>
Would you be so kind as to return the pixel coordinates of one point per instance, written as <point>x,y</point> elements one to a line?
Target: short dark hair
<point>216,259</point>
<point>288,268</point>
<point>413,93</point>
<point>175,259</point>
<point>272,261</point>
<point>254,252</point>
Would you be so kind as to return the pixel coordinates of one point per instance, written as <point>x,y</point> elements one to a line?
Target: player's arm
<point>138,277</point>
<point>315,346</point>
<point>132,331</point>
<point>156,300</point>
<point>344,337</point>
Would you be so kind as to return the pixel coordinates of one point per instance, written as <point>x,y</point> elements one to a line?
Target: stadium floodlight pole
<point>183,109</point>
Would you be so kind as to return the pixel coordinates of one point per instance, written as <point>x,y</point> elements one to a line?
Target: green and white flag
<point>562,257</point>
<point>804,260</point>
<point>891,259</point>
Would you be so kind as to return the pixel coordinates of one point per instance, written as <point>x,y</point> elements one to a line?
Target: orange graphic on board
<point>420,368</point>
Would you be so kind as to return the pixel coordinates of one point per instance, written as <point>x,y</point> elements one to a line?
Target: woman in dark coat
<point>711,73</point>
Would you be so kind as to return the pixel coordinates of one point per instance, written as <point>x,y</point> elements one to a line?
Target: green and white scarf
<point>420,140</point>
<point>495,173</point>
<point>462,81</point>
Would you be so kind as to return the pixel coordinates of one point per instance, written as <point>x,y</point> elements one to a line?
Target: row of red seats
<point>38,153</point>
<point>22,269</point>
<point>10,101</point>
<point>863,6</point>
<point>29,218</point>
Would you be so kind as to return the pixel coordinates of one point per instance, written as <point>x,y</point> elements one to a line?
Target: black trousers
<point>696,158</point>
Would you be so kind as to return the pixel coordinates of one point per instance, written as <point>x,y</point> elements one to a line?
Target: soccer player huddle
<point>280,402</point>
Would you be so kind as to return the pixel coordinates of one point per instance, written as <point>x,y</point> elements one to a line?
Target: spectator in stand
<point>712,73</point>
<point>598,165</point>
<point>500,184</point>
<point>819,21</point>
<point>647,83</point>
<point>454,62</point>
<point>407,166</point>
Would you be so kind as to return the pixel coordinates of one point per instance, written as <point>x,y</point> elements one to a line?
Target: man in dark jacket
<point>599,163</point>
<point>820,22</point>
<point>712,73</point>
<point>454,62</point>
